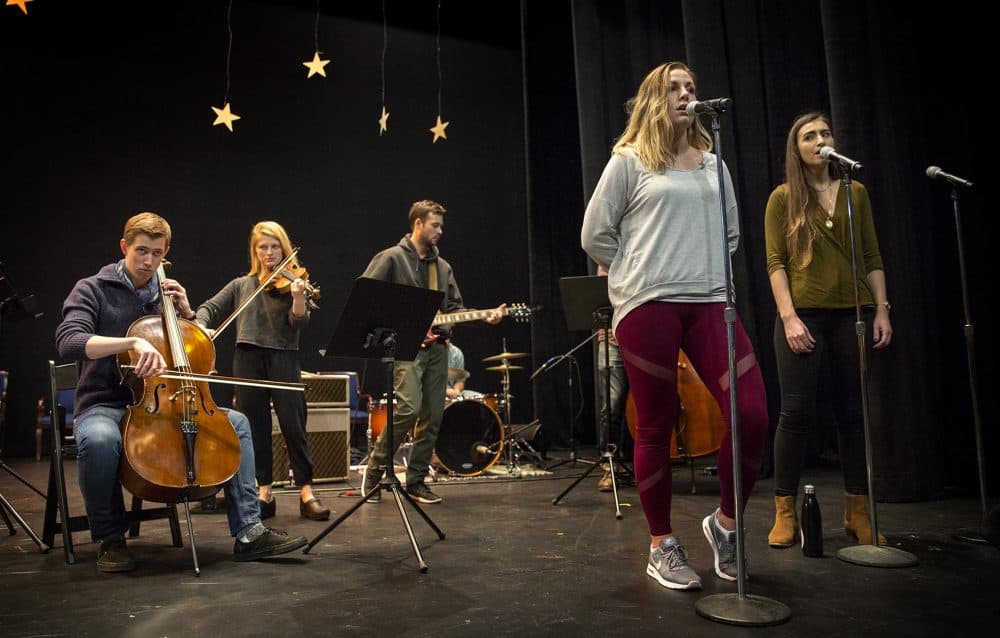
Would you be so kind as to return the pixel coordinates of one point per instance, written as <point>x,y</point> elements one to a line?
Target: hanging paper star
<point>19,3</point>
<point>438,130</point>
<point>316,66</point>
<point>223,116</point>
<point>383,122</point>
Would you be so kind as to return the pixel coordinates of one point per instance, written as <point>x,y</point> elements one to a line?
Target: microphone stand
<point>548,365</point>
<point>873,555</point>
<point>740,608</point>
<point>971,535</point>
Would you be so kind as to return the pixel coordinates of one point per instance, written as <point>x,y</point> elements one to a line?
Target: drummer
<point>457,375</point>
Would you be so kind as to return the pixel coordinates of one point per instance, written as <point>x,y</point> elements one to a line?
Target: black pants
<point>799,375</point>
<point>253,362</point>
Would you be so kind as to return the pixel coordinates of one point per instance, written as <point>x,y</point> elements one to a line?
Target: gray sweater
<point>659,234</point>
<point>267,321</point>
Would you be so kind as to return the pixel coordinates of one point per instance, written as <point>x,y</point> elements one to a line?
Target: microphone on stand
<point>717,105</point>
<point>545,366</point>
<point>845,162</point>
<point>935,172</point>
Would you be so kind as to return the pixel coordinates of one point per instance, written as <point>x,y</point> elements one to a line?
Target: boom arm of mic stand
<point>553,362</point>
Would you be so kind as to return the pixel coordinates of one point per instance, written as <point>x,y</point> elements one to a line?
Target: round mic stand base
<point>876,556</point>
<point>748,610</point>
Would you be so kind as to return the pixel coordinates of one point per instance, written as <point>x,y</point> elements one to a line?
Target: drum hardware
<point>503,356</point>
<point>505,368</point>
<point>514,445</point>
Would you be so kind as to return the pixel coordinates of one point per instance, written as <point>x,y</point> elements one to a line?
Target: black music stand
<point>14,307</point>
<point>380,321</point>
<point>586,305</point>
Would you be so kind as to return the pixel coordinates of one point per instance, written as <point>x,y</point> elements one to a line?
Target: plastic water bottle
<point>812,524</point>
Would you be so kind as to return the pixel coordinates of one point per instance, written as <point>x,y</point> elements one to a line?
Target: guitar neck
<point>460,317</point>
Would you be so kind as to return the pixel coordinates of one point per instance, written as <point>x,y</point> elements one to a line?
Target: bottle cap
<point>809,489</point>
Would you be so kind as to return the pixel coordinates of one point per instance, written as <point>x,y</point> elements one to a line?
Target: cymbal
<point>507,355</point>
<point>504,368</point>
<point>458,374</point>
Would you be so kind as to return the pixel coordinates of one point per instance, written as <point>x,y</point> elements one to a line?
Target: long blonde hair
<point>650,133</point>
<point>801,228</point>
<point>269,229</point>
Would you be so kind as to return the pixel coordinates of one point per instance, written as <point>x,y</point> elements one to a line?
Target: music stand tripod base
<point>384,320</point>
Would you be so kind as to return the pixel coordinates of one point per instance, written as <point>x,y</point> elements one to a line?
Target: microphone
<point>545,366</point>
<point>845,162</point>
<point>482,449</point>
<point>935,172</point>
<point>717,105</point>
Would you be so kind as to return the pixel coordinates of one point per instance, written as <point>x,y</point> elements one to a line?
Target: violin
<point>286,273</point>
<point>290,274</point>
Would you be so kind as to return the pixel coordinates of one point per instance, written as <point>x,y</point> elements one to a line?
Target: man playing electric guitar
<point>419,385</point>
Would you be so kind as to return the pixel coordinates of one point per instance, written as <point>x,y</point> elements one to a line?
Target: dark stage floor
<point>512,565</point>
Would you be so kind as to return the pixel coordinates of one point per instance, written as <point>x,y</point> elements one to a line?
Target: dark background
<point>106,112</point>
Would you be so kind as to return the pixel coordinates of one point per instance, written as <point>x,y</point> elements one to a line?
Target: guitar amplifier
<point>327,433</point>
<point>327,390</point>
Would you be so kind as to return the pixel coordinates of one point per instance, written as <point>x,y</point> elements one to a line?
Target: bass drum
<point>471,438</point>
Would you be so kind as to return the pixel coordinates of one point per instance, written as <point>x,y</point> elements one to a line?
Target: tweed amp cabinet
<point>328,428</point>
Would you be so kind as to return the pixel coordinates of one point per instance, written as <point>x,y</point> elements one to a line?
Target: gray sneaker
<point>723,546</point>
<point>372,479</point>
<point>668,565</point>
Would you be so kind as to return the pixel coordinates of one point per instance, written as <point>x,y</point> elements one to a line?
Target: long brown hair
<point>650,132</point>
<point>269,229</point>
<point>801,228</point>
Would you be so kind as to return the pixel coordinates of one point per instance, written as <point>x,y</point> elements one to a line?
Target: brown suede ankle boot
<point>786,525</point>
<point>857,523</point>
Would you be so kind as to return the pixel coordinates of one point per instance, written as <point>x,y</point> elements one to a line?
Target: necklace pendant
<point>829,223</point>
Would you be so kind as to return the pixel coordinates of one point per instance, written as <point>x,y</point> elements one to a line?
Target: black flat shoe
<point>271,543</point>
<point>267,508</point>
<point>313,510</point>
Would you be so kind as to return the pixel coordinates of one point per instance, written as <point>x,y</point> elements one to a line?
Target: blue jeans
<point>619,392</point>
<point>99,440</point>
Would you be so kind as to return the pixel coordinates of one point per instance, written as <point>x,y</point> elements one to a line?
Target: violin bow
<point>215,378</point>
<point>274,273</point>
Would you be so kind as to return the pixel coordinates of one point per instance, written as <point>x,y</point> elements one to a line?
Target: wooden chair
<point>63,378</point>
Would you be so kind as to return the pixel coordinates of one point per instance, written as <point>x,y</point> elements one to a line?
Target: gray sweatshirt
<point>660,234</point>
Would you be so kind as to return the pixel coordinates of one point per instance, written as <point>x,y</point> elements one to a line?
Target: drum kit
<point>475,428</point>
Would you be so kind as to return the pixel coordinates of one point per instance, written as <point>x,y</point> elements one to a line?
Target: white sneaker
<point>668,565</point>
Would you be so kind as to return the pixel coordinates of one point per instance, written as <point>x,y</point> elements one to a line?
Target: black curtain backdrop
<point>100,122</point>
<point>894,83</point>
<point>106,112</point>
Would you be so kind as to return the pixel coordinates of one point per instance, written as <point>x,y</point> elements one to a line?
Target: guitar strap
<point>432,275</point>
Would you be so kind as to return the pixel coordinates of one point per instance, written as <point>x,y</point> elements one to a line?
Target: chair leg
<point>133,529</point>
<point>175,525</point>
<point>57,491</point>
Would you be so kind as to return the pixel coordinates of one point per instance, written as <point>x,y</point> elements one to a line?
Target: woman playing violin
<point>267,345</point>
<point>96,316</point>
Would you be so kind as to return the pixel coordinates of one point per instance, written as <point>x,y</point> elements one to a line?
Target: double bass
<point>700,424</point>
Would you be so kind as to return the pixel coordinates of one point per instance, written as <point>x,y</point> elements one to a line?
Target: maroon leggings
<point>650,337</point>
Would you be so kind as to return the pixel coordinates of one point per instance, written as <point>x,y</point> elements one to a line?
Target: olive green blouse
<point>827,281</point>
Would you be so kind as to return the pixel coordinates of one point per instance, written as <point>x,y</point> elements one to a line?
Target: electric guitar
<point>518,311</point>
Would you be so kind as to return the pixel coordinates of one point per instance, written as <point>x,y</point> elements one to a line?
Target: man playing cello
<point>96,315</point>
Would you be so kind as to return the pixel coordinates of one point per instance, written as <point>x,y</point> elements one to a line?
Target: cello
<point>700,424</point>
<point>176,442</point>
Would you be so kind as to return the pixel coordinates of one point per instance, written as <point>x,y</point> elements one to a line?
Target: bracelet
<point>884,303</point>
